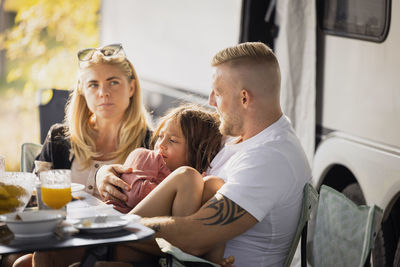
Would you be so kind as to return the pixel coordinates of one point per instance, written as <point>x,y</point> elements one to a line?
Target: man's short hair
<point>255,52</point>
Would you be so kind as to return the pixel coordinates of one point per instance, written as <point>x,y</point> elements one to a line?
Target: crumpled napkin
<point>65,229</point>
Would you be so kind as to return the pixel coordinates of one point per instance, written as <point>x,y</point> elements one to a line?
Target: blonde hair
<point>250,52</point>
<point>256,62</point>
<point>79,118</point>
<point>200,128</point>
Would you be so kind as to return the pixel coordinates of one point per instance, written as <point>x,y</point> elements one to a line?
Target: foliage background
<point>40,49</point>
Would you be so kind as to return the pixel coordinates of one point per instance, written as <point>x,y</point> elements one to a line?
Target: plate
<point>75,187</point>
<point>111,223</point>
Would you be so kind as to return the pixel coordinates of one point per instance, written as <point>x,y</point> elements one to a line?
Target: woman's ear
<point>132,87</point>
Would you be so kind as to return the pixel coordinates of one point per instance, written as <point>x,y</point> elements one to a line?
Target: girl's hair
<point>80,119</point>
<point>200,130</point>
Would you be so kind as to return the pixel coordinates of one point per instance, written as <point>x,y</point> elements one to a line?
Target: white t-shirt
<point>264,175</point>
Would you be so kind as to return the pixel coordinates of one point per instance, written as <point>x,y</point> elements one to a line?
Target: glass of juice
<point>56,188</point>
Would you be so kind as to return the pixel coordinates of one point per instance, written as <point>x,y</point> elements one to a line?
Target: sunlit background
<point>38,44</point>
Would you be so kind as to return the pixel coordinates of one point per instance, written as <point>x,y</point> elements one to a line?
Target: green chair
<point>310,200</point>
<point>344,232</point>
<point>29,152</point>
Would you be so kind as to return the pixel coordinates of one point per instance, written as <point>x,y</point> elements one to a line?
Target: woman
<point>105,119</point>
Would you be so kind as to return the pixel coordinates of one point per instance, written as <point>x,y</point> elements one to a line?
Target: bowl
<point>33,223</point>
<point>15,190</point>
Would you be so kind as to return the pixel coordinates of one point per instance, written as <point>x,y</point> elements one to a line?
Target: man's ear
<point>244,98</point>
<point>132,87</point>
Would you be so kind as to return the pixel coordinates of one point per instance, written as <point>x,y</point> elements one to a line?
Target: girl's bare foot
<point>227,262</point>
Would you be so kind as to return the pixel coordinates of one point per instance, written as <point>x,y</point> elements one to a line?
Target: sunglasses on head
<point>108,51</point>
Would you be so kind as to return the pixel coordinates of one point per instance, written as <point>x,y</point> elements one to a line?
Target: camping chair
<point>344,233</point>
<point>51,109</point>
<point>310,200</point>
<point>178,258</point>
<point>29,151</point>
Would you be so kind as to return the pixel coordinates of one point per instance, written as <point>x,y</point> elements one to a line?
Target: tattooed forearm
<point>226,211</point>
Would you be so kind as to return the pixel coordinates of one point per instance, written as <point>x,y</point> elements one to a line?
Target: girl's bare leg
<point>211,185</point>
<point>180,194</point>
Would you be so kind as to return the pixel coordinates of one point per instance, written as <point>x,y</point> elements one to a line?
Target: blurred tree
<point>45,38</point>
<point>40,48</point>
<point>2,28</point>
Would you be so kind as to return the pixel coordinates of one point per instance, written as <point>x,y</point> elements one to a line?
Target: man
<point>264,167</point>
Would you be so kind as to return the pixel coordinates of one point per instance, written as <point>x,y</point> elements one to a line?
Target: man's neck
<point>254,126</point>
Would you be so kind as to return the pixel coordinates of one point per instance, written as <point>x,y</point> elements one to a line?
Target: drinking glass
<point>15,190</point>
<point>56,188</point>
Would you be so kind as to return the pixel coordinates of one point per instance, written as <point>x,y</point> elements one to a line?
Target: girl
<point>186,136</point>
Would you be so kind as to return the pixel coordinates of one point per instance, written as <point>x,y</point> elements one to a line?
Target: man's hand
<point>108,182</point>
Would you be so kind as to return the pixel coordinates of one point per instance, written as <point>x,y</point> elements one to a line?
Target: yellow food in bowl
<point>10,197</point>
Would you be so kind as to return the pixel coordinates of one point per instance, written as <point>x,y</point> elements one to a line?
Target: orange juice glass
<point>56,188</point>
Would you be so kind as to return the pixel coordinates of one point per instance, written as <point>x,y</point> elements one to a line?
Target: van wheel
<point>379,253</point>
<point>386,241</point>
<point>354,193</point>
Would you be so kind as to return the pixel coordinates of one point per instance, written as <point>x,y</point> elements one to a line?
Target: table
<point>86,206</point>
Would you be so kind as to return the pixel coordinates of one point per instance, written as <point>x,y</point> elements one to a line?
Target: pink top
<point>148,170</point>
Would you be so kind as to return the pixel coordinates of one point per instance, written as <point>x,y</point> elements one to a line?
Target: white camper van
<point>358,110</point>
<point>355,118</point>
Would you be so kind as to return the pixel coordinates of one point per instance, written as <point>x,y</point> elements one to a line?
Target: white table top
<point>88,206</point>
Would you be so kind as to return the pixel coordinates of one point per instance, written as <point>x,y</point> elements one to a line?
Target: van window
<point>362,19</point>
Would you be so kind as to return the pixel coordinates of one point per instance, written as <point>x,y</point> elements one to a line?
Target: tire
<point>379,252</point>
<point>386,242</point>
<point>354,193</point>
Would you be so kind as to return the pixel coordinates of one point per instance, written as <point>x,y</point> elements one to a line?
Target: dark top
<point>57,146</point>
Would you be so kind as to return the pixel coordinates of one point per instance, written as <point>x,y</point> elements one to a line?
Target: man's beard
<point>231,125</point>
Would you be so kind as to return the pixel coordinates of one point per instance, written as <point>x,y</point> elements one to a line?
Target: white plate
<point>37,223</point>
<point>75,187</point>
<point>111,224</point>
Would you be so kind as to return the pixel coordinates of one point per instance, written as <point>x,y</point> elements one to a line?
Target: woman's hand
<point>108,182</point>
